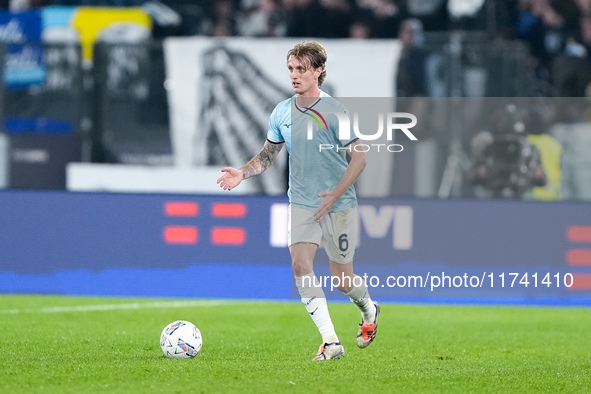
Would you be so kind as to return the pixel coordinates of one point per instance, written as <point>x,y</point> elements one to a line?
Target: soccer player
<point>322,198</point>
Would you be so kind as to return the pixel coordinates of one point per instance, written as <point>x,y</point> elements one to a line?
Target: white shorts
<point>337,232</point>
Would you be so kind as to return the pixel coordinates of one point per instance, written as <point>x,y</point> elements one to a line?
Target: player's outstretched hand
<point>328,200</point>
<point>231,178</point>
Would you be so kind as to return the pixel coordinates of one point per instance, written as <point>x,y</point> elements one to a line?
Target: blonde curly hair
<point>313,55</point>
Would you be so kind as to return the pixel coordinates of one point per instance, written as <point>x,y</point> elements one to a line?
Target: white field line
<point>113,307</point>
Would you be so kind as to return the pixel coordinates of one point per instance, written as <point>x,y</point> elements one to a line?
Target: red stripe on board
<point>579,234</point>
<point>177,208</point>
<point>581,282</point>
<point>578,257</point>
<point>181,234</point>
<point>228,210</point>
<point>228,236</point>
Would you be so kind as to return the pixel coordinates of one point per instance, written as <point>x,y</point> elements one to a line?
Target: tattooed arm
<point>256,166</point>
<point>262,161</point>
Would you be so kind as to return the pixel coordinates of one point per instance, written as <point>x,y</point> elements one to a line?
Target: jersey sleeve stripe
<point>274,142</point>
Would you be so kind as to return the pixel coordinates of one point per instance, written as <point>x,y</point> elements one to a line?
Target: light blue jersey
<point>312,171</point>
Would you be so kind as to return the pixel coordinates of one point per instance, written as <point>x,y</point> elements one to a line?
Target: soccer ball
<point>181,339</point>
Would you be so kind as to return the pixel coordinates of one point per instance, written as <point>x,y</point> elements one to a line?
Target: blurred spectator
<point>195,18</point>
<point>432,13</point>
<point>261,18</point>
<point>411,80</point>
<point>385,16</point>
<point>569,11</point>
<point>545,25</point>
<point>584,6</point>
<point>573,130</point>
<point>411,92</point>
<point>584,34</point>
<point>551,155</point>
<point>467,15</point>
<point>540,116</point>
<point>360,30</point>
<point>337,17</point>
<point>223,18</point>
<point>505,164</point>
<point>304,18</point>
<point>571,70</point>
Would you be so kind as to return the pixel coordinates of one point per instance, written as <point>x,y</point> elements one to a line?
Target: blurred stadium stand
<point>117,109</point>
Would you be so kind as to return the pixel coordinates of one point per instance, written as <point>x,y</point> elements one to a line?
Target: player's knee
<point>301,267</point>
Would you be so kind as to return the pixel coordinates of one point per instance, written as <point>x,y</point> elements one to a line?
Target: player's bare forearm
<point>329,198</point>
<point>258,164</point>
<point>354,169</point>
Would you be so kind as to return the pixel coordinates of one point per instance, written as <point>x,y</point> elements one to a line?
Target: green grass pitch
<point>55,344</point>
